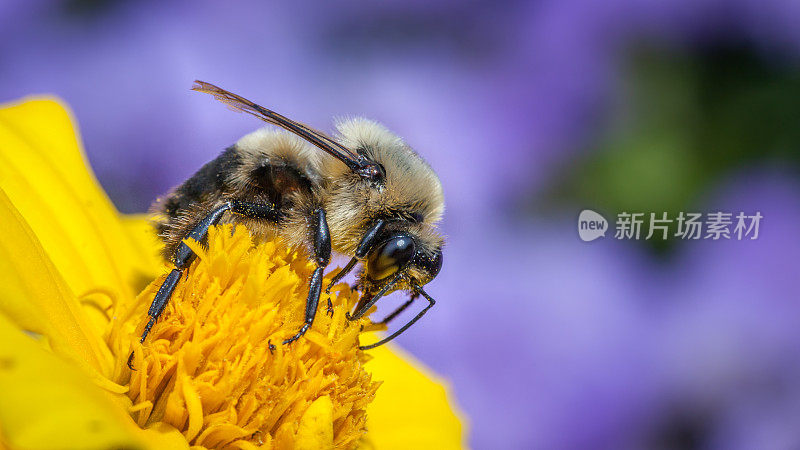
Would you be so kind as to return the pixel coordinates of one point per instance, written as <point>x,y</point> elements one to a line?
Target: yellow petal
<point>37,299</point>
<point>142,236</point>
<point>411,408</point>
<point>48,404</point>
<point>44,173</point>
<point>316,426</point>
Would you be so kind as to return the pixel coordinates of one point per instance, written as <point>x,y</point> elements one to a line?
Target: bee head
<point>398,262</point>
<point>400,255</point>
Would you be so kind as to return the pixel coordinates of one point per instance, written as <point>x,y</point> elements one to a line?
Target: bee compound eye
<point>435,263</point>
<point>389,257</point>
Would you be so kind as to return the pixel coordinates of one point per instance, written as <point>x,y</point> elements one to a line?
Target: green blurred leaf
<point>686,122</point>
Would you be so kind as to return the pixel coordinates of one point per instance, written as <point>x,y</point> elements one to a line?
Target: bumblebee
<point>364,194</point>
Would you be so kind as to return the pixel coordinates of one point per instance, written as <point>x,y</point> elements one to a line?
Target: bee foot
<point>330,308</point>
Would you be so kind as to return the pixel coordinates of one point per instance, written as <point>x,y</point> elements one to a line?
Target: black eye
<point>389,257</point>
<point>435,263</point>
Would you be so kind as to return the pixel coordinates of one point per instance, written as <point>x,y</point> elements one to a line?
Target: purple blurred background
<point>530,112</point>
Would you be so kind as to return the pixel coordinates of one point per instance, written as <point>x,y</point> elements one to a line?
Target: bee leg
<point>184,255</point>
<point>431,302</point>
<point>341,274</point>
<point>322,256</point>
<point>397,311</point>
<point>366,302</point>
<point>330,307</point>
<point>363,248</point>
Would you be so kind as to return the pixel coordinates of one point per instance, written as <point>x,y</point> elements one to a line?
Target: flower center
<point>207,368</point>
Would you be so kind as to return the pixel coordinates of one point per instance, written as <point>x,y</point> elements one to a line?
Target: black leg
<point>314,291</point>
<point>372,235</point>
<point>322,255</point>
<point>397,311</point>
<point>160,301</point>
<point>341,274</point>
<point>184,255</point>
<point>329,309</point>
<point>431,302</point>
<point>363,307</point>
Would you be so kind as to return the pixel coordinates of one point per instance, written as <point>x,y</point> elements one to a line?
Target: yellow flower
<point>209,369</point>
<point>71,268</point>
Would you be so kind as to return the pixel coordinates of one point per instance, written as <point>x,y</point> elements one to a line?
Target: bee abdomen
<point>210,180</point>
<point>204,188</point>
